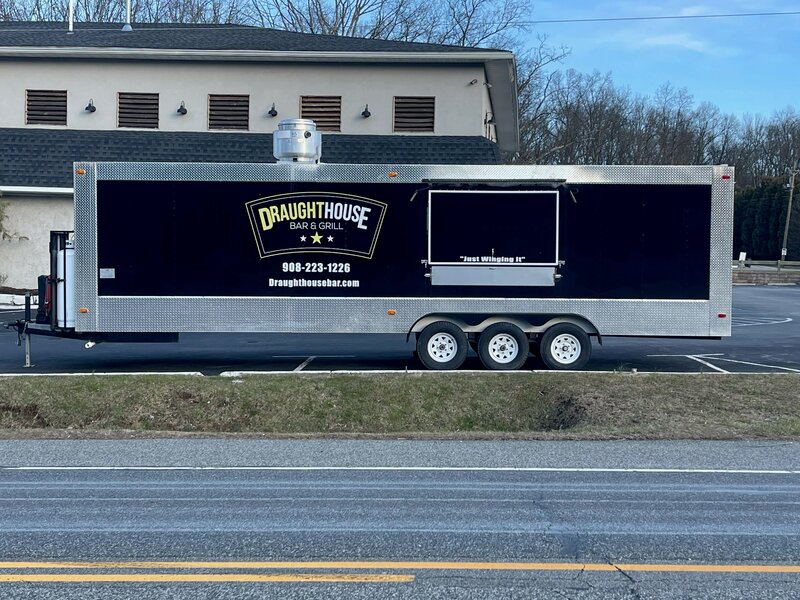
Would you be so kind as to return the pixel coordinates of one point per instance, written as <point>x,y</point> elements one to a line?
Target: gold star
<point>316,239</point>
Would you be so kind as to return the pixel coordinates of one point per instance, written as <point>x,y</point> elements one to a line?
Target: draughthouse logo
<point>326,222</point>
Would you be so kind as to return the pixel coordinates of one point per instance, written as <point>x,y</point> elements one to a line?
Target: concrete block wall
<point>746,276</point>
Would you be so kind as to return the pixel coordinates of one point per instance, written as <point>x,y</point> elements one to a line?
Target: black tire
<point>565,347</point>
<point>442,346</point>
<point>503,347</point>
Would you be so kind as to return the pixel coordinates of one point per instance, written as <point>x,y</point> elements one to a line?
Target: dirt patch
<point>566,412</point>
<point>21,415</point>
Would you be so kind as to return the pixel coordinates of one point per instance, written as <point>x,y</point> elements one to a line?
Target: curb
<point>239,374</point>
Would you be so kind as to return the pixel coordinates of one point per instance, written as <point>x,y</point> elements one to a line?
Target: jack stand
<point>25,333</point>
<point>27,338</point>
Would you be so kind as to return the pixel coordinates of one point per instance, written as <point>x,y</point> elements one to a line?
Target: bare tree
<point>455,22</point>
<point>13,10</point>
<point>564,116</point>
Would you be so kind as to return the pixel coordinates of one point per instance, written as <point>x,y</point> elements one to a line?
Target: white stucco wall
<point>461,109</point>
<point>24,254</point>
<point>460,106</point>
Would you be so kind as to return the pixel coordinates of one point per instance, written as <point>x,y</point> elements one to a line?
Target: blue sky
<point>745,65</point>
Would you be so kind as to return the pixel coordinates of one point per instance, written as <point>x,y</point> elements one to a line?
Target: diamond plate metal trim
<point>86,247</point>
<point>665,175</point>
<point>369,315</point>
<point>720,284</point>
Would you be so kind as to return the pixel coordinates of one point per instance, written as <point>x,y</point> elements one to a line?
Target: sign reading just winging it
<point>325,222</point>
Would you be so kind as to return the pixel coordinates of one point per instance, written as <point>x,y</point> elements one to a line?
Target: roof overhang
<point>499,66</point>
<point>501,75</point>
<point>8,191</point>
<point>475,56</point>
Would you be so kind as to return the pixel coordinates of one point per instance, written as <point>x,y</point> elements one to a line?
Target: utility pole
<point>788,217</point>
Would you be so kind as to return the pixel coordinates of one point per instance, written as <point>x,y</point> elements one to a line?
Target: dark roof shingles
<point>44,157</point>
<point>198,37</point>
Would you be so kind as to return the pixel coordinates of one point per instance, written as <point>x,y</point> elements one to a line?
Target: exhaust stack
<point>297,140</point>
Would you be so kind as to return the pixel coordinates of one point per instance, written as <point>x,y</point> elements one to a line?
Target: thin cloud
<point>699,9</point>
<point>682,41</point>
<point>643,39</point>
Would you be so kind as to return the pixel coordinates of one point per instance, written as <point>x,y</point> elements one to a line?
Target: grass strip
<point>495,405</point>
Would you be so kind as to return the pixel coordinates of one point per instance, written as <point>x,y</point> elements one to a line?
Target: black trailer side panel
<point>275,239</point>
<point>637,242</point>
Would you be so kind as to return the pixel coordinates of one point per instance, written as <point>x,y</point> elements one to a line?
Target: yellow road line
<point>712,568</point>
<point>202,578</point>
<point>405,565</point>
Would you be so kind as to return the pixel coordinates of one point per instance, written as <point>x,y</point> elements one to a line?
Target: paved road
<point>511,519</point>
<point>766,338</point>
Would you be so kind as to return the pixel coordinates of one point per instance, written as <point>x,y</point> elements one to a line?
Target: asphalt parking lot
<point>765,339</point>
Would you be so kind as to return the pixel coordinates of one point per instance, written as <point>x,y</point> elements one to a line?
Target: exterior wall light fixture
<point>182,110</point>
<point>90,107</point>
<point>272,112</point>
<point>473,82</point>
<point>365,113</point>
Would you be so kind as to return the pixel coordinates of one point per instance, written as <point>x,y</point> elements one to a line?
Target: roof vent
<point>297,140</point>
<point>127,26</point>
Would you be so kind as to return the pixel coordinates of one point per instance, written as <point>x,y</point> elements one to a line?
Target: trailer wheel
<point>503,347</point>
<point>442,345</point>
<point>565,346</point>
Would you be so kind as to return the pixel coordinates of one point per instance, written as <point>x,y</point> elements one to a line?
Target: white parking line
<point>414,468</point>
<point>305,363</point>
<point>753,364</point>
<point>706,363</point>
<point>316,356</point>
<point>751,321</point>
<point>695,358</point>
<point>718,356</point>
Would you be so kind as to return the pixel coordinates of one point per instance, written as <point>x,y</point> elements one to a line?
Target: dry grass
<point>531,405</point>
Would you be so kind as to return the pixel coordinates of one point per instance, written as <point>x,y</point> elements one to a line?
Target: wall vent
<point>325,111</point>
<point>139,110</point>
<point>46,107</point>
<point>414,113</point>
<point>229,111</point>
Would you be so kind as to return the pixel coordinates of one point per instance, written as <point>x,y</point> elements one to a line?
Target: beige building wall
<point>461,106</point>
<point>24,253</point>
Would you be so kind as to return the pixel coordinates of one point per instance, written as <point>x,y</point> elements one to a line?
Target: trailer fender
<point>428,319</point>
<point>519,320</point>
<point>577,320</point>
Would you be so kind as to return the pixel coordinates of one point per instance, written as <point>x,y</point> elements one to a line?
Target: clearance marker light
<point>83,311</point>
<point>722,315</point>
<point>391,312</point>
<point>392,173</point>
<point>80,171</point>
<point>726,176</point>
